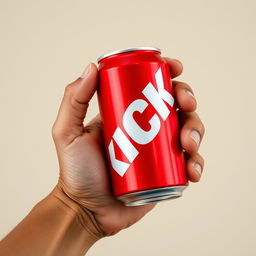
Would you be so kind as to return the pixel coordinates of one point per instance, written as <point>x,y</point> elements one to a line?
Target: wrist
<point>55,226</point>
<point>84,217</point>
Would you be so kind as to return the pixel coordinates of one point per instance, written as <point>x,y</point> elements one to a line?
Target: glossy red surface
<point>160,163</point>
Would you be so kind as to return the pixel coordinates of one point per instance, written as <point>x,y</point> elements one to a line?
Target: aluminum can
<point>140,126</point>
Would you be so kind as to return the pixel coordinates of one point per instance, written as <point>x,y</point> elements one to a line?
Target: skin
<point>83,189</point>
<point>72,139</point>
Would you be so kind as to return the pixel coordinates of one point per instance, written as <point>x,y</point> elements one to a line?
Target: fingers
<point>184,96</point>
<point>183,92</point>
<point>191,136</point>
<point>192,132</point>
<point>175,66</point>
<point>195,165</point>
<point>69,122</point>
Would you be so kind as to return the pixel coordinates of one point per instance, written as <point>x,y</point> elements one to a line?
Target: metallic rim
<point>151,195</point>
<point>128,50</point>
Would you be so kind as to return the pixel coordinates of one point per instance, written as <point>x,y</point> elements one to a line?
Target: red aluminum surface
<point>149,163</point>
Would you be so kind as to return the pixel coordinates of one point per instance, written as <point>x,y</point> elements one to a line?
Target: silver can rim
<point>152,195</point>
<point>144,48</point>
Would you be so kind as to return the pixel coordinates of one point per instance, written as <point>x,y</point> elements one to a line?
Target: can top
<point>128,50</point>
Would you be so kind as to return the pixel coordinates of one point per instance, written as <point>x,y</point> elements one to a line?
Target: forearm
<point>55,226</point>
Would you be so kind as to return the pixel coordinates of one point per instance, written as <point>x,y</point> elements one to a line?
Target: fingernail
<point>198,168</point>
<point>195,135</point>
<point>190,93</point>
<point>86,71</point>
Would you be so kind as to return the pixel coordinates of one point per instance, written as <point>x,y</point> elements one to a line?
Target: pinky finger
<point>195,165</point>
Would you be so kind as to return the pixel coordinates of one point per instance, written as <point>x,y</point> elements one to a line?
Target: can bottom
<point>151,195</point>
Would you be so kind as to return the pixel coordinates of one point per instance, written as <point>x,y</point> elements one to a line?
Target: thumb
<point>73,108</point>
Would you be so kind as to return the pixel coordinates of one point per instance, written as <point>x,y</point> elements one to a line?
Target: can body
<point>140,126</point>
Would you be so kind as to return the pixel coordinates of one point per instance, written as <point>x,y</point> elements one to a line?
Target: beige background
<point>46,44</point>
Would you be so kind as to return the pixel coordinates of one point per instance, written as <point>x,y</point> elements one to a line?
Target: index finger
<point>176,66</point>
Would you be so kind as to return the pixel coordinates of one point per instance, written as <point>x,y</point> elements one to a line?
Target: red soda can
<point>140,126</point>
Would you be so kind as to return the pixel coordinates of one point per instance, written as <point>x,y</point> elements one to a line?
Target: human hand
<point>83,171</point>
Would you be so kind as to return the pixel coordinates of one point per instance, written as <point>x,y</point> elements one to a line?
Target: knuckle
<point>202,127</point>
<point>68,89</point>
<point>200,159</point>
<point>56,132</point>
<point>188,87</point>
<point>198,123</point>
<point>183,85</point>
<point>196,157</point>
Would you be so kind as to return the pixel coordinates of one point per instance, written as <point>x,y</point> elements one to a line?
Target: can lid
<point>128,50</point>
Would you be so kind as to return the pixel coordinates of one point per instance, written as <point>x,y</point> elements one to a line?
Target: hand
<point>83,172</point>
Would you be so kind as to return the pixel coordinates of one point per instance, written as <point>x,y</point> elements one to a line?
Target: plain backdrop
<point>46,44</point>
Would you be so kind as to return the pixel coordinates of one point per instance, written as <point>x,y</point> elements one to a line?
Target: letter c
<point>133,129</point>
